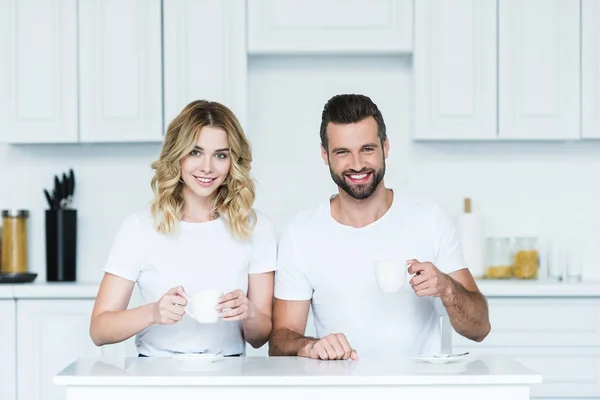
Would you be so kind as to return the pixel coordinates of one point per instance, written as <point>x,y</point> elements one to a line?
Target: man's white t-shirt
<point>199,256</point>
<point>333,264</point>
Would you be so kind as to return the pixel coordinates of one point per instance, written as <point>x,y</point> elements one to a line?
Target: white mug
<point>203,306</point>
<point>391,275</point>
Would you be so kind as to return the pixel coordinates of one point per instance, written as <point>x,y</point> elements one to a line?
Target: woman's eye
<point>221,156</point>
<point>195,153</point>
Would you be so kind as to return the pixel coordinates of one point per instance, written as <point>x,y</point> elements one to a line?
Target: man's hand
<point>428,280</point>
<point>330,347</point>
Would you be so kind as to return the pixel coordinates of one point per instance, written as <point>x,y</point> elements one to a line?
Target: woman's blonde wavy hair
<point>234,198</point>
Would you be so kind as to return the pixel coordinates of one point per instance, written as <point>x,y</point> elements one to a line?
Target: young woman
<point>200,233</point>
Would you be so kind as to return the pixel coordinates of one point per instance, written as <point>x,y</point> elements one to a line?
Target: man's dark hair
<point>348,109</point>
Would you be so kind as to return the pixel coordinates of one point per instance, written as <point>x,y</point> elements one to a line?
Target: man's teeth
<point>357,177</point>
<point>204,180</point>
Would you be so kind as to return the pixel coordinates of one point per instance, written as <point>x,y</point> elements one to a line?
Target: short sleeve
<point>290,281</point>
<point>264,246</point>
<point>449,256</point>
<point>124,259</point>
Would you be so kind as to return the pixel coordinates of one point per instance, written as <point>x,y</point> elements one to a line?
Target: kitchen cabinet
<point>558,337</point>
<point>8,352</point>
<point>204,54</point>
<point>120,76</point>
<point>325,26</point>
<point>455,69</point>
<point>50,335</point>
<point>539,69</point>
<point>590,69</point>
<point>524,53</point>
<point>38,71</point>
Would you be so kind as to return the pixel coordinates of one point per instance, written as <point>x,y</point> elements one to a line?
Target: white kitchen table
<point>294,378</point>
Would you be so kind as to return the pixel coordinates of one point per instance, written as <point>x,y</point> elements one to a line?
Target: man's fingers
<point>418,279</point>
<point>338,349</point>
<point>346,347</point>
<point>331,353</point>
<point>415,266</point>
<point>178,290</point>
<point>354,355</point>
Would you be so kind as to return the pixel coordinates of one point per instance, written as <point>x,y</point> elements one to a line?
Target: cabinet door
<point>120,70</point>
<point>455,70</point>
<point>590,68</point>
<point>50,335</point>
<point>326,26</point>
<point>539,69</point>
<point>38,71</point>
<point>205,54</point>
<point>8,360</point>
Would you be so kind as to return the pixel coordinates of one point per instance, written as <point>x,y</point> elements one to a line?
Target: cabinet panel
<point>38,72</point>
<point>590,68</point>
<point>455,71</point>
<point>323,26</point>
<point>539,69</point>
<point>50,335</point>
<point>205,54</point>
<point>120,56</point>
<point>8,351</point>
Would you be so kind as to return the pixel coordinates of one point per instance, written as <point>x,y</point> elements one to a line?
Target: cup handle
<point>189,301</point>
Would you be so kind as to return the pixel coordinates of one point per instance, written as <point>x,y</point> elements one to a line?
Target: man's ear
<point>386,148</point>
<point>324,155</point>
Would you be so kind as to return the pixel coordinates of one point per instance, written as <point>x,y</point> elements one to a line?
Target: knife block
<point>61,245</point>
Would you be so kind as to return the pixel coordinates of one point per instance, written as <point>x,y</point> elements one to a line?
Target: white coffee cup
<point>391,275</point>
<point>202,306</point>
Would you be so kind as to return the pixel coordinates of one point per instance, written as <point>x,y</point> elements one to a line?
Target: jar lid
<point>15,213</point>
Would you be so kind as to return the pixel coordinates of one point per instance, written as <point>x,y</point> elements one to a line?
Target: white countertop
<point>278,371</point>
<point>490,288</point>
<point>537,288</point>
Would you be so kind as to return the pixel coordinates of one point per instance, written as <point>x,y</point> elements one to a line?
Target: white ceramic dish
<point>440,359</point>
<point>204,357</point>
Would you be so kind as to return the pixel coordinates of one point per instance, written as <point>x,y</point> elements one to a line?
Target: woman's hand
<point>240,307</point>
<point>169,309</point>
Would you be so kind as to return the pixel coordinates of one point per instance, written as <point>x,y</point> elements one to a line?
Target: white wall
<point>539,188</point>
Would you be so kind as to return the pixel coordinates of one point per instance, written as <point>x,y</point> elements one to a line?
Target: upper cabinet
<point>590,68</point>
<point>120,56</point>
<point>204,54</point>
<point>525,53</point>
<point>38,71</point>
<point>539,61</point>
<point>330,26</point>
<point>455,70</point>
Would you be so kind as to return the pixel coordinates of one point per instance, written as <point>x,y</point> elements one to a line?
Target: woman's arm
<point>257,328</point>
<point>112,322</point>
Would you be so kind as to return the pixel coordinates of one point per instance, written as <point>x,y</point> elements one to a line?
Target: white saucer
<point>205,357</point>
<point>439,359</point>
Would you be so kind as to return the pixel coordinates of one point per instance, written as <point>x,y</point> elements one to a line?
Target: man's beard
<point>359,191</point>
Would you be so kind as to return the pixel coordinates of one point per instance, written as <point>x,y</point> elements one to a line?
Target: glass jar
<point>14,241</point>
<point>498,258</point>
<point>526,258</point>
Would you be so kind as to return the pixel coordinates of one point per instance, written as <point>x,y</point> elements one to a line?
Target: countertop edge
<point>410,380</point>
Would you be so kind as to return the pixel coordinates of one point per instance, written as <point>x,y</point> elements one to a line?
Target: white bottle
<point>470,230</point>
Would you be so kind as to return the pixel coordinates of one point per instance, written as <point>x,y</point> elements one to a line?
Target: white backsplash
<point>521,187</point>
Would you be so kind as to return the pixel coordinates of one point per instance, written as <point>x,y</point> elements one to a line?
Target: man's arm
<point>289,324</point>
<point>466,306</point>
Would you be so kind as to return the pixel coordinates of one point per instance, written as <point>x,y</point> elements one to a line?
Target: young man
<point>326,256</point>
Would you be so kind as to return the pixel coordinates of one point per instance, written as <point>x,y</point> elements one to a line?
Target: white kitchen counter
<point>294,378</point>
<point>490,288</point>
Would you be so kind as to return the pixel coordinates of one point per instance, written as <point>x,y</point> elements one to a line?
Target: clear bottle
<point>14,242</point>
<point>498,258</point>
<point>527,258</point>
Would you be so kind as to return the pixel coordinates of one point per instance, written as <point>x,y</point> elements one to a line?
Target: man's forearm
<point>468,311</point>
<point>285,342</point>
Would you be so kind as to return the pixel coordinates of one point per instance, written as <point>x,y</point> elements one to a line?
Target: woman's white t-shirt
<point>199,256</point>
